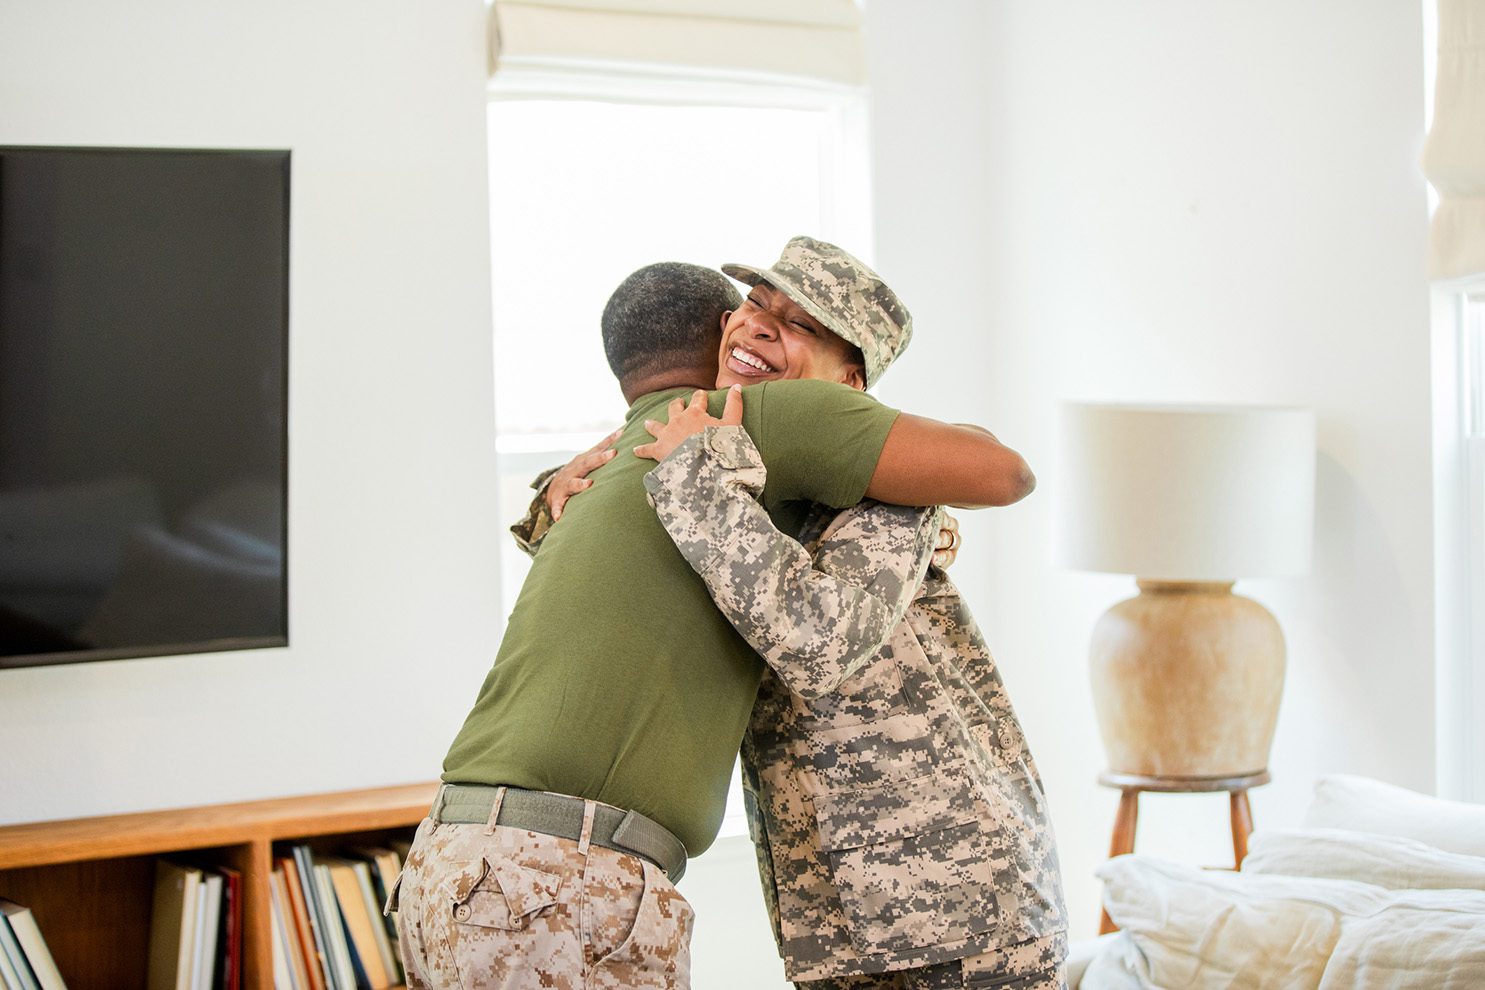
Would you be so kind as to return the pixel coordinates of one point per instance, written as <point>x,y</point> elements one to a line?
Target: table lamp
<point>1186,675</point>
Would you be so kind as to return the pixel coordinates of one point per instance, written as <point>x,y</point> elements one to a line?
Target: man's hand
<point>574,477</point>
<point>684,420</point>
<point>946,550</point>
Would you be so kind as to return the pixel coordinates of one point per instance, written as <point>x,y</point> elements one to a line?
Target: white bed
<point>1383,888</point>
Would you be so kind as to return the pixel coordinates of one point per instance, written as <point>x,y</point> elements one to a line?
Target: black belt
<point>562,816</point>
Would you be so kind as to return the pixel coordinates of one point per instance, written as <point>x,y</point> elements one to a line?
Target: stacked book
<point>25,961</point>
<point>328,929</point>
<point>196,928</point>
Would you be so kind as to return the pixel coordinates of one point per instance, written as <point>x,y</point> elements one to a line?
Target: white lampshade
<point>1186,493</point>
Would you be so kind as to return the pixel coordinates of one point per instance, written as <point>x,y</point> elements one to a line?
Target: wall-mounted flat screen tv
<point>143,402</point>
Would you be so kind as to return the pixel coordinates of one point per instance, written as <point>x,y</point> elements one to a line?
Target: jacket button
<point>461,913</point>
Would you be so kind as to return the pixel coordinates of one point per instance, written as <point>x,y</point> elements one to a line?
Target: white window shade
<point>807,39</point>
<point>1454,154</point>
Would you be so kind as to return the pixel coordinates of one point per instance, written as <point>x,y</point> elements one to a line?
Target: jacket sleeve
<point>533,526</point>
<point>815,618</point>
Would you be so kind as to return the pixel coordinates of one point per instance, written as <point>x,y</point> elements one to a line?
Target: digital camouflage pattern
<point>1032,965</point>
<point>897,814</point>
<point>513,909</point>
<point>532,527</point>
<point>1035,964</point>
<point>837,289</point>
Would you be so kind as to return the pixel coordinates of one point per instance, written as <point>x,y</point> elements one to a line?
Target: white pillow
<point>1364,805</point>
<point>1114,965</point>
<point>1214,928</point>
<point>1385,860</point>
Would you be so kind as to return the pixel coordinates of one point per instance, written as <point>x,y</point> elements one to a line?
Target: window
<point>1459,362</point>
<point>593,176</point>
<point>1458,336</point>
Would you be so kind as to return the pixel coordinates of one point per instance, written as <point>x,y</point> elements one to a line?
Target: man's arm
<point>920,461</point>
<point>816,621</point>
<point>925,462</point>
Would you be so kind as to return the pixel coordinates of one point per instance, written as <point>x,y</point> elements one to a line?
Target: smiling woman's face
<point>770,337</point>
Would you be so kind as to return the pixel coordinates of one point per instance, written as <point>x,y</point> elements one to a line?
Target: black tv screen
<point>143,402</point>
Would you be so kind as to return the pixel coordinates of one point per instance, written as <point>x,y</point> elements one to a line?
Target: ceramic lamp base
<point>1186,680</point>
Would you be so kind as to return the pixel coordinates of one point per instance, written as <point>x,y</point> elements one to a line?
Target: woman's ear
<point>855,376</point>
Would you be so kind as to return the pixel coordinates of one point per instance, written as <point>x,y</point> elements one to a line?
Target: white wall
<point>1157,200</point>
<point>392,570</point>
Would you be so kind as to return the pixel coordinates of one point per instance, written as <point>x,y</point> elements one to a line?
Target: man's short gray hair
<point>666,315</point>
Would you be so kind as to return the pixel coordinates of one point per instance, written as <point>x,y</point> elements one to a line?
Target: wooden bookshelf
<point>90,881</point>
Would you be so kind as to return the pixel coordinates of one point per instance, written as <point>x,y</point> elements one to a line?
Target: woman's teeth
<point>752,361</point>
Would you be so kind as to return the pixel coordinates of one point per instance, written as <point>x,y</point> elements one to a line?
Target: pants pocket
<point>655,953</point>
<point>499,894</point>
<point>614,891</point>
<point>503,925</point>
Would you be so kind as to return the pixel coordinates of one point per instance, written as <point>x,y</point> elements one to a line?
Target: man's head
<point>817,313</point>
<point>663,320</point>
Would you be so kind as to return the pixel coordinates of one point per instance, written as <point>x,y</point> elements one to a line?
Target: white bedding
<point>1186,927</point>
<point>1113,964</point>
<point>1365,805</point>
<point>1385,860</point>
<point>1384,888</point>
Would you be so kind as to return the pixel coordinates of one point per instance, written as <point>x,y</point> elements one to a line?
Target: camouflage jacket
<point>532,528</point>
<point>897,814</point>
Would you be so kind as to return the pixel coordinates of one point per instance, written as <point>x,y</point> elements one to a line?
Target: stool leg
<point>1123,840</point>
<point>1124,823</point>
<point>1242,827</point>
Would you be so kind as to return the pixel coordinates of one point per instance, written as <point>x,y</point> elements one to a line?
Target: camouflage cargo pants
<point>1032,965</point>
<point>502,907</point>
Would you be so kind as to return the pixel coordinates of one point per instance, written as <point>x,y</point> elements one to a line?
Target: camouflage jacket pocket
<point>910,863</point>
<point>500,894</point>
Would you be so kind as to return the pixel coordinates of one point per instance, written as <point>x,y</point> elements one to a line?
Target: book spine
<point>211,915</point>
<point>9,978</point>
<point>345,969</point>
<point>230,974</point>
<point>198,939</point>
<point>389,868</point>
<point>23,923</point>
<point>299,917</point>
<point>374,917</point>
<point>282,980</point>
<point>298,971</point>
<point>15,958</point>
<point>304,863</point>
<point>186,953</point>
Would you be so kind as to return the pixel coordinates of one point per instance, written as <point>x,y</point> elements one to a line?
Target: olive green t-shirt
<point>618,680</point>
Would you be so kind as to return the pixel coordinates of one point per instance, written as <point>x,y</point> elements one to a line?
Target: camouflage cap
<point>847,297</point>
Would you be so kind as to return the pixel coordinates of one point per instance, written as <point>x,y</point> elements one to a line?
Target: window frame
<point>1458,318</point>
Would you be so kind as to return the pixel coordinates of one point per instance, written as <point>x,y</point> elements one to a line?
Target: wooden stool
<point>1130,787</point>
